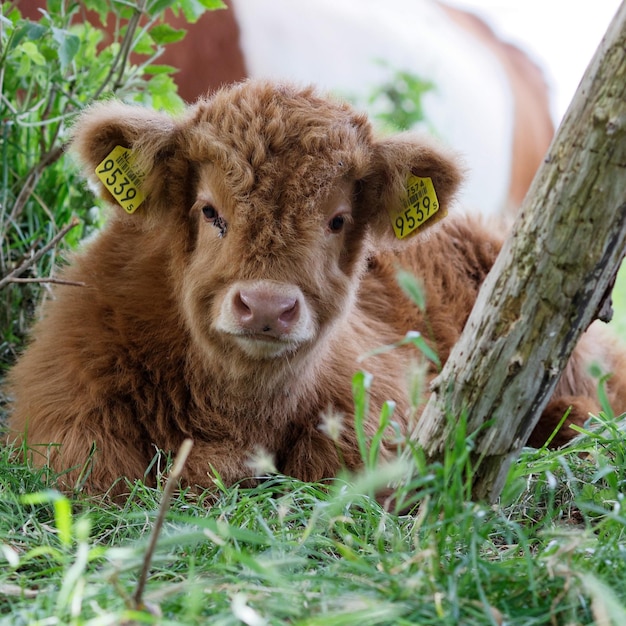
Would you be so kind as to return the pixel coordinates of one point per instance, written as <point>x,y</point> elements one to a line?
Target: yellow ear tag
<point>419,205</point>
<point>122,178</point>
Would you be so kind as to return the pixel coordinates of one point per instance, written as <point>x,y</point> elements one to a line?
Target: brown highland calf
<point>234,305</point>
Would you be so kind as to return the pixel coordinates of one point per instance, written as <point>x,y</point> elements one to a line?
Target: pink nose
<point>265,310</point>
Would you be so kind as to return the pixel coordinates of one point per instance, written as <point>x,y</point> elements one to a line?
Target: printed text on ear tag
<point>122,178</point>
<point>419,205</point>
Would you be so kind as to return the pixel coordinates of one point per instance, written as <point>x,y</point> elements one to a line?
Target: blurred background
<point>560,35</point>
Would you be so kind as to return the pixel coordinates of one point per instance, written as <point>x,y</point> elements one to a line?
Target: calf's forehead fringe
<point>271,136</point>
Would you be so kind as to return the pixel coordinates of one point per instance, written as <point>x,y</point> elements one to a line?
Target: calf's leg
<point>577,390</point>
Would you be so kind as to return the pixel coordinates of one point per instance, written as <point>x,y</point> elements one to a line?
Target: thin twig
<point>121,59</point>
<point>172,482</point>
<point>18,271</point>
<point>127,46</point>
<point>31,180</point>
<point>50,279</point>
<point>18,592</point>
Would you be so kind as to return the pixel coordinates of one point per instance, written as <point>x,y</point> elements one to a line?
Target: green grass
<point>553,551</point>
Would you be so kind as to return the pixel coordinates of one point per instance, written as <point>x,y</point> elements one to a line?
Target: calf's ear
<point>409,188</point>
<point>149,136</point>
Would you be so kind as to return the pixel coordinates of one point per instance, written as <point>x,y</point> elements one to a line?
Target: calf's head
<point>269,199</point>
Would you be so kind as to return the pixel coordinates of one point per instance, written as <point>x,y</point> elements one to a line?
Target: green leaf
<point>34,30</point>
<point>420,343</point>
<point>30,31</point>
<point>68,45</point>
<point>163,34</point>
<point>101,7</point>
<point>11,17</point>
<point>164,94</point>
<point>361,384</point>
<point>124,9</point>
<point>160,69</point>
<point>412,288</point>
<point>160,85</point>
<point>145,45</point>
<point>192,9</point>
<point>383,422</point>
<point>412,337</point>
<point>62,511</point>
<point>212,5</point>
<point>55,7</point>
<point>24,66</point>
<point>401,99</point>
<point>31,50</point>
<point>158,6</point>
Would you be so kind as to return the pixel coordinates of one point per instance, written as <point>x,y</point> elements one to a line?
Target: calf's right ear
<point>411,185</point>
<point>106,125</point>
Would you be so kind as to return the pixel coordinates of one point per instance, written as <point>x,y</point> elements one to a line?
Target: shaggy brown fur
<point>234,306</point>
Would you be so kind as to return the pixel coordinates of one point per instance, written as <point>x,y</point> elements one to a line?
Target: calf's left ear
<point>411,184</point>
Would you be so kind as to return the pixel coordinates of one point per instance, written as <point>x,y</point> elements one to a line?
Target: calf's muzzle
<point>266,309</point>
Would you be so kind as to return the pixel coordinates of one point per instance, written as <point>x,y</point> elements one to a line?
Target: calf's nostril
<point>264,309</point>
<point>242,306</point>
<point>290,313</point>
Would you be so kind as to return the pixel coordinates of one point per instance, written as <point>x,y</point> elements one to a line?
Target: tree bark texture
<point>550,281</point>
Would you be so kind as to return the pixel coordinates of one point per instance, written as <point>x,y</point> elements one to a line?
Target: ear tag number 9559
<point>419,206</point>
<point>122,178</point>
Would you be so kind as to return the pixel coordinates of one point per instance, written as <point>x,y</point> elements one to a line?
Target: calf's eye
<point>336,224</point>
<point>211,215</point>
<point>209,212</point>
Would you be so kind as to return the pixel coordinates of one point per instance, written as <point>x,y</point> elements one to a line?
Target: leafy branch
<point>51,69</point>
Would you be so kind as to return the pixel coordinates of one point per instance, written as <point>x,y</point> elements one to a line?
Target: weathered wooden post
<point>550,280</point>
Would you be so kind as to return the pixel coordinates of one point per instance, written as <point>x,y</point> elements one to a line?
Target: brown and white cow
<point>235,304</point>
